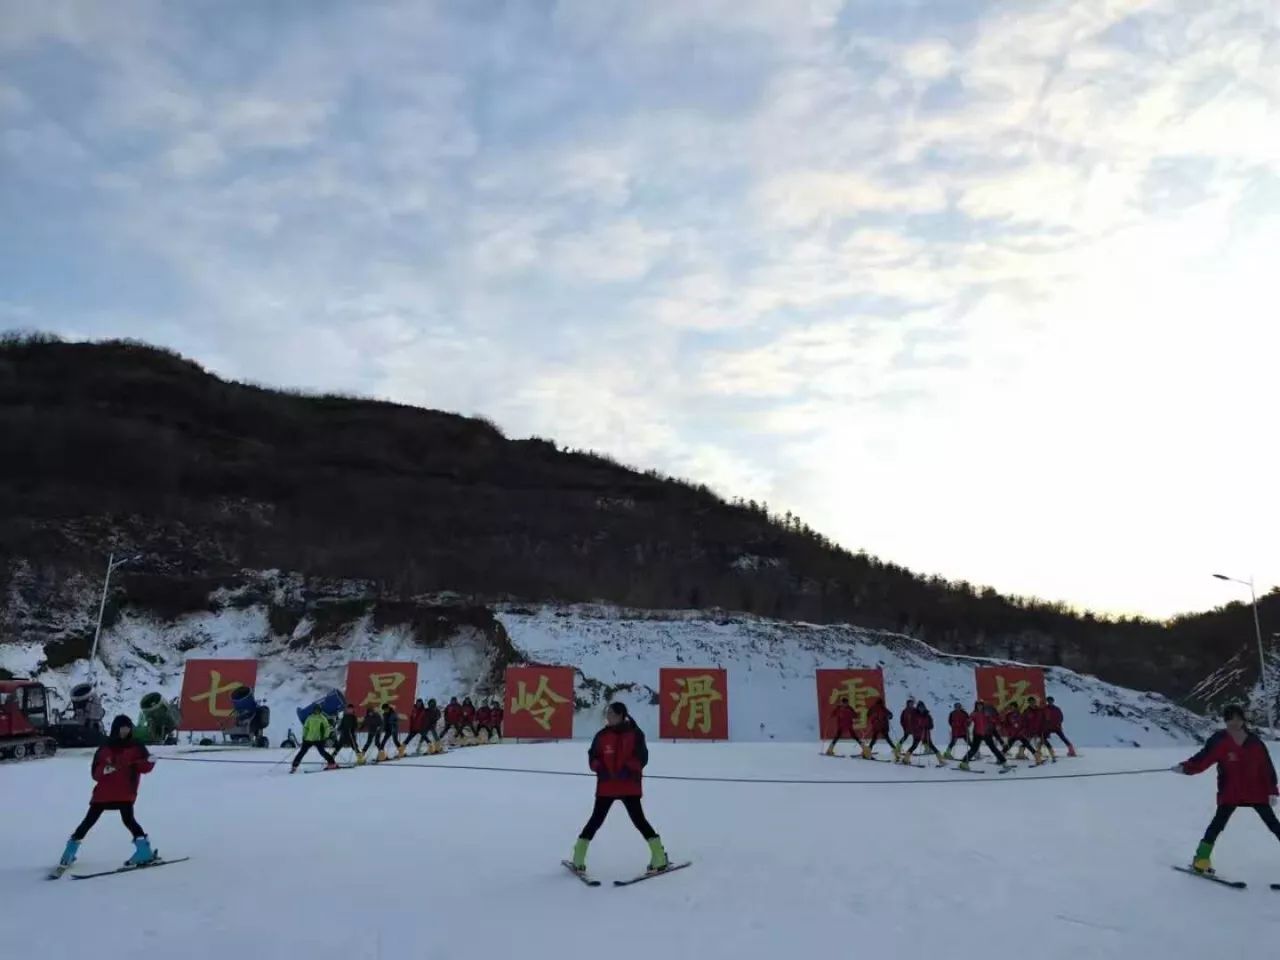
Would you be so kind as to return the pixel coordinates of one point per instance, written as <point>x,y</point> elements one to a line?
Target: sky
<point>987,289</point>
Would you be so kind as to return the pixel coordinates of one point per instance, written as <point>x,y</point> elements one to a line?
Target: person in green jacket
<point>315,731</point>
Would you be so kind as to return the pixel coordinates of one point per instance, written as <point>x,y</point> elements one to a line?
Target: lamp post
<point>112,563</point>
<point>1262,657</point>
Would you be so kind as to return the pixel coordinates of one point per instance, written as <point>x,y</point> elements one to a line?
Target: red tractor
<point>24,718</point>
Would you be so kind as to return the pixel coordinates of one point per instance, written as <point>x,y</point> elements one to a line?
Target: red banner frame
<point>207,685</point>
<point>862,687</point>
<point>539,703</point>
<point>372,683</point>
<point>693,703</point>
<point>1003,685</point>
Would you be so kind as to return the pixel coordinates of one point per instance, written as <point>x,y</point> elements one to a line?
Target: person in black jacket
<point>618,755</point>
<point>347,727</point>
<point>390,732</point>
<point>371,727</point>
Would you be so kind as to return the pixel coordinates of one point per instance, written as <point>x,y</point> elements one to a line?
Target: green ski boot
<point>657,856</point>
<point>580,854</point>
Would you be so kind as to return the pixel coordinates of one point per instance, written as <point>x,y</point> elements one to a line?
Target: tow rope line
<point>689,779</point>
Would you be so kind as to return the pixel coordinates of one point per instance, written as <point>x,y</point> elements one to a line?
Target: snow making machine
<point>248,720</point>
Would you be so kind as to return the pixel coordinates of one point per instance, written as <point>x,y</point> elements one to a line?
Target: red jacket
<point>483,716</point>
<point>908,720</point>
<point>618,755</point>
<point>924,724</point>
<point>879,717</point>
<point>843,716</point>
<point>959,721</point>
<point>453,714</point>
<point>983,722</point>
<point>1246,775</point>
<point>1052,718</point>
<point>496,715</point>
<point>418,720</point>
<point>468,713</point>
<point>1012,723</point>
<point>1033,721</point>
<point>118,768</point>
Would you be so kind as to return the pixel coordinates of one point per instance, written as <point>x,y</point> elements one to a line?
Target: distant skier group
<point>1027,727</point>
<point>381,729</point>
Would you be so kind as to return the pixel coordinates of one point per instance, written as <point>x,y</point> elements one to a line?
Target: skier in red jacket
<point>922,735</point>
<point>1033,728</point>
<point>843,716</point>
<point>618,756</point>
<point>985,720</point>
<point>495,720</point>
<point>907,718</point>
<point>878,718</point>
<point>1053,725</point>
<point>483,719</point>
<point>117,769</point>
<point>469,720</point>
<point>958,720</point>
<point>452,718</point>
<point>1015,727</point>
<point>417,726</point>
<point>1246,778</point>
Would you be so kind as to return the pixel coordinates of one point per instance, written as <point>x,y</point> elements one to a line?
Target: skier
<point>908,719</point>
<point>1246,778</point>
<point>618,755</point>
<point>843,716</point>
<point>984,729</point>
<point>878,718</point>
<point>1015,725</point>
<point>958,720</point>
<point>417,724</point>
<point>482,723</point>
<point>495,719</point>
<point>117,769</point>
<point>922,735</point>
<point>315,731</point>
<point>371,727</point>
<point>347,727</point>
<point>452,718</point>
<point>469,721</point>
<point>1053,724</point>
<point>432,719</point>
<point>1033,728</point>
<point>390,732</point>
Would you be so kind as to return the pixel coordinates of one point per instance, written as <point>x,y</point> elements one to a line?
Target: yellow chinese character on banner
<point>860,696</point>
<point>382,690</point>
<point>216,688</point>
<point>541,703</point>
<point>1007,693</point>
<point>695,698</point>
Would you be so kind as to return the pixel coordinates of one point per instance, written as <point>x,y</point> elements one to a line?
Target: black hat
<point>118,725</point>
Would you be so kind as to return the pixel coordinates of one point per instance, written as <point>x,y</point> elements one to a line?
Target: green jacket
<point>316,728</point>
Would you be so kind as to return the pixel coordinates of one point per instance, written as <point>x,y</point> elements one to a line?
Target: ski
<point>1234,884</point>
<point>341,766</point>
<point>128,869</point>
<point>970,770</point>
<point>58,871</point>
<point>1275,886</point>
<point>671,868</point>
<point>580,874</point>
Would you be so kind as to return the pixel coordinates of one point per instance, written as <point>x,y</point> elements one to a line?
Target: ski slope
<point>412,860</point>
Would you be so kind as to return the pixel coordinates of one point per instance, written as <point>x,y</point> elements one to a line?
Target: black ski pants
<point>845,736</point>
<point>1061,736</point>
<point>1023,741</point>
<point>389,736</point>
<point>635,810</point>
<point>926,742</point>
<point>96,810</point>
<point>987,741</point>
<point>370,738</point>
<point>877,737</point>
<point>955,740</point>
<point>319,748</point>
<point>346,740</point>
<point>1224,813</point>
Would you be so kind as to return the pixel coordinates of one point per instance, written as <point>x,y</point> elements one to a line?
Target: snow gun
<point>331,705</point>
<point>251,717</point>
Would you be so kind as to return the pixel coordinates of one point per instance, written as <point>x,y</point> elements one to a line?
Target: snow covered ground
<point>415,860</point>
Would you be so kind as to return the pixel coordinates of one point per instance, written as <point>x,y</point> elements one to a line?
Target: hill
<point>122,446</point>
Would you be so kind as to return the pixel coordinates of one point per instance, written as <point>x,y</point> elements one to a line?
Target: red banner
<point>1005,685</point>
<point>372,683</point>
<point>207,686</point>
<point>861,687</point>
<point>693,703</point>
<point>539,703</point>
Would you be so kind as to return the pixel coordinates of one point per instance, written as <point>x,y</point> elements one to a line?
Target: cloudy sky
<point>986,288</point>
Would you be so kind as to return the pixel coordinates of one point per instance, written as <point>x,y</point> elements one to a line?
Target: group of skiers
<point>1028,727</point>
<point>382,729</point>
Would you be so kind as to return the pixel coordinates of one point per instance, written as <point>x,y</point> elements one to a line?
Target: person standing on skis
<point>1015,724</point>
<point>922,735</point>
<point>495,719</point>
<point>371,727</point>
<point>958,720</point>
<point>417,725</point>
<point>452,718</point>
<point>1053,725</point>
<point>347,728</point>
<point>618,756</point>
<point>908,720</point>
<point>482,721</point>
<point>984,734</point>
<point>1246,778</point>
<point>315,731</point>
<point>117,769</point>
<point>843,716</point>
<point>390,732</point>
<point>431,737</point>
<point>469,721</point>
<point>1033,728</point>
<point>879,717</point>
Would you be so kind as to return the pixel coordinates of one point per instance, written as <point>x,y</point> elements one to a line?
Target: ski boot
<point>831,751</point>
<point>382,757</point>
<point>866,752</point>
<point>579,860</point>
<point>69,853</point>
<point>1071,751</point>
<point>331,765</point>
<point>657,856</point>
<point>1201,863</point>
<point>360,760</point>
<point>400,752</point>
<point>963,765</point>
<point>142,853</point>
<point>294,768</point>
<point>942,761</point>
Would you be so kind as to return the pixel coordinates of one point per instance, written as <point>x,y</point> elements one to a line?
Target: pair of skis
<point>59,870</point>
<point>591,881</point>
<point>1221,881</point>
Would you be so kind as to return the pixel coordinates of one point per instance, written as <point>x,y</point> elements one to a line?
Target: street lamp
<point>112,563</point>
<point>1262,657</point>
